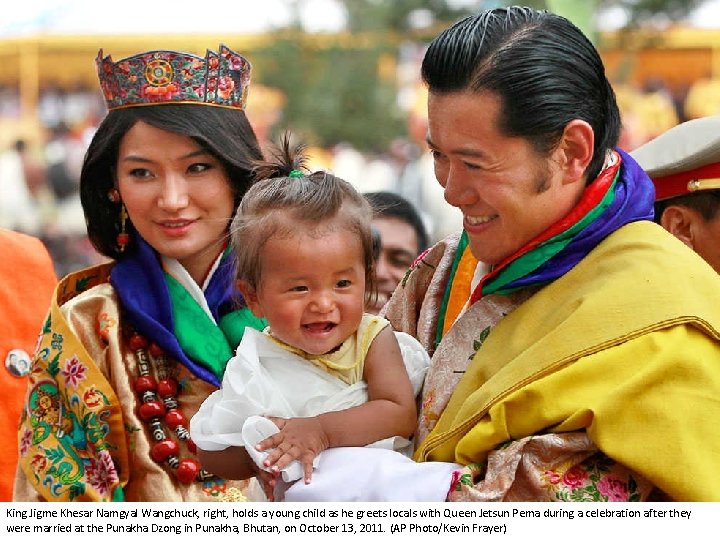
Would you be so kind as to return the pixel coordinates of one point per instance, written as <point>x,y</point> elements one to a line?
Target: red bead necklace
<point>158,392</point>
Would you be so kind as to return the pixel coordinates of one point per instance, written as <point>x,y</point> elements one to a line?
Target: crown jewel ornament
<point>166,77</point>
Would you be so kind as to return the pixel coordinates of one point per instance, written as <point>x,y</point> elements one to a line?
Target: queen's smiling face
<point>177,195</point>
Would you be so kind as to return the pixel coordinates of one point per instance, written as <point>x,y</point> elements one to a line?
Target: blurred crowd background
<point>351,92</point>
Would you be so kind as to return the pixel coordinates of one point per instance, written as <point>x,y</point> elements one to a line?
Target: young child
<point>324,372</point>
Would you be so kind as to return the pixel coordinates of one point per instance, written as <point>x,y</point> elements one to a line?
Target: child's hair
<point>284,197</point>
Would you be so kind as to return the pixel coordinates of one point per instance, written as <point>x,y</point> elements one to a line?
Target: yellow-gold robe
<point>617,361</point>
<point>80,438</point>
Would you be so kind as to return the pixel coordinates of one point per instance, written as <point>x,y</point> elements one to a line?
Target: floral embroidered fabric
<point>221,78</point>
<point>80,437</point>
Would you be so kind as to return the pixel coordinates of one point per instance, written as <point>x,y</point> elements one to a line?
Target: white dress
<point>265,379</point>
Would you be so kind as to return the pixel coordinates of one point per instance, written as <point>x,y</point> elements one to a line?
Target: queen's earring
<point>123,238</point>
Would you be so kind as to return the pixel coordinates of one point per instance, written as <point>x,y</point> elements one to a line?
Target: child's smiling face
<point>312,286</point>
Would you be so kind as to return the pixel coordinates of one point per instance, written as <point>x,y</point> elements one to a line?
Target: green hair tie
<point>295,173</point>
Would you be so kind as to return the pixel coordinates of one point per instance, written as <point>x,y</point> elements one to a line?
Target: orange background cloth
<point>27,280</point>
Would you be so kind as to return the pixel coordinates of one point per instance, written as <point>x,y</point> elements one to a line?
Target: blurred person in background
<point>646,112</point>
<point>64,153</point>
<point>33,170</point>
<point>19,179</point>
<point>402,238</point>
<point>656,109</point>
<point>702,99</point>
<point>28,279</point>
<point>66,234</point>
<point>133,347</point>
<point>684,164</point>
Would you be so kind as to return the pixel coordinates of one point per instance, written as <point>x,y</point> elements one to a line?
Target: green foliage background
<point>335,92</point>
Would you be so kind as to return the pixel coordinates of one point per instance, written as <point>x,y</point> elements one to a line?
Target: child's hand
<point>299,439</point>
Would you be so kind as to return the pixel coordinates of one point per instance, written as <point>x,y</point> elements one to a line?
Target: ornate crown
<point>158,77</point>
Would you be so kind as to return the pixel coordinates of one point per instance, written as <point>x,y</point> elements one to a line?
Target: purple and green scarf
<point>162,310</point>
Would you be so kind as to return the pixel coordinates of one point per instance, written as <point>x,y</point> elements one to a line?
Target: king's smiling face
<point>507,191</point>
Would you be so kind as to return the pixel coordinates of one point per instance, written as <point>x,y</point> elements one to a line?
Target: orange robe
<point>27,281</point>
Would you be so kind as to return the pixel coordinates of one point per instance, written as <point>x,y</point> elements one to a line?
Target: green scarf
<point>210,345</point>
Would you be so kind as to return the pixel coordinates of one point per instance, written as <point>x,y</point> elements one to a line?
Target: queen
<point>132,347</point>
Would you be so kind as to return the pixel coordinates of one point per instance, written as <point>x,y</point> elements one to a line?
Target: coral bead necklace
<point>158,391</point>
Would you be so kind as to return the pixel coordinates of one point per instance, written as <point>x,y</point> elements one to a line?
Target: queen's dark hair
<point>545,70</point>
<point>224,132</point>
